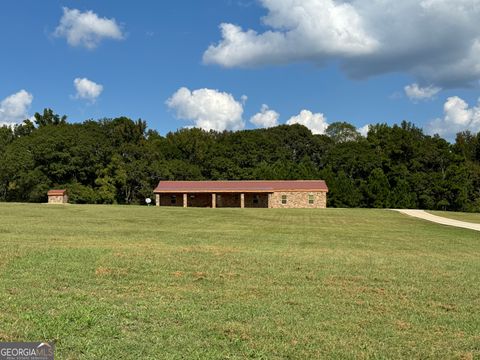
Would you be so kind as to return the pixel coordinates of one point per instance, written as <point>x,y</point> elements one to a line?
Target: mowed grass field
<point>118,282</point>
<point>468,217</point>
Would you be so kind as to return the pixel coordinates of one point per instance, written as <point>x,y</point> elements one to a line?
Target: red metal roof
<point>240,186</point>
<point>57,192</point>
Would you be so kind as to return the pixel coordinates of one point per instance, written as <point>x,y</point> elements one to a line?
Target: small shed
<point>57,196</point>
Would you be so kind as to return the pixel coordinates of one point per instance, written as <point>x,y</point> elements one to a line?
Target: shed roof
<point>252,186</point>
<point>57,192</point>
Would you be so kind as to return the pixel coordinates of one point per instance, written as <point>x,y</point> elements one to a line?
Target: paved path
<point>440,220</point>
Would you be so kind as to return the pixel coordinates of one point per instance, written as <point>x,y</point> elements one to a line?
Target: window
<point>284,199</point>
<point>173,199</point>
<point>256,199</point>
<point>311,199</point>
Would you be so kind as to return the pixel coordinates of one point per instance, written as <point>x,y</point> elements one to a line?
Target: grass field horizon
<point>135,282</point>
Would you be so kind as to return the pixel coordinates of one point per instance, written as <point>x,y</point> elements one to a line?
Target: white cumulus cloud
<point>317,123</point>
<point>87,89</point>
<point>14,108</point>
<point>304,29</point>
<point>436,41</point>
<point>86,28</point>
<point>265,118</point>
<point>208,109</point>
<point>458,116</point>
<point>417,93</point>
<point>364,130</point>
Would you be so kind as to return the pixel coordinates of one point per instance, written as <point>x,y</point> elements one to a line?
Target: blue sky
<point>144,52</point>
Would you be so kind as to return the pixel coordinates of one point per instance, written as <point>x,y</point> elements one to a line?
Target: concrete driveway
<point>421,214</point>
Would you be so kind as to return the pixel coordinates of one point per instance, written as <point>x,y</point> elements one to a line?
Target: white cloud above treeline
<point>435,41</point>
<point>14,108</point>
<point>208,109</point>
<point>86,29</point>
<point>87,89</point>
<point>266,118</point>
<point>457,116</point>
<point>417,93</point>
<point>317,123</point>
<point>364,130</point>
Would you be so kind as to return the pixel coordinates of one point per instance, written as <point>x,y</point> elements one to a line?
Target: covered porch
<point>214,199</point>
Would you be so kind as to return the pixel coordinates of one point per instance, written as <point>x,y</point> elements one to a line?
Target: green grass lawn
<point>115,282</point>
<point>469,217</point>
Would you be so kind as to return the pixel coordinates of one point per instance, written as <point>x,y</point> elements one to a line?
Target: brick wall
<point>228,200</point>
<point>58,199</point>
<point>262,200</point>
<point>295,199</point>
<point>200,200</point>
<point>299,200</point>
<point>166,200</point>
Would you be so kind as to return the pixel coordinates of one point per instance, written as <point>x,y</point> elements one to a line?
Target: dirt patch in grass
<point>105,271</point>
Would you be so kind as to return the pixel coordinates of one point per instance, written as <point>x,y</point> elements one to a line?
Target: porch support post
<point>157,199</point>
<point>242,200</point>
<point>269,201</point>
<point>185,200</point>
<point>214,201</point>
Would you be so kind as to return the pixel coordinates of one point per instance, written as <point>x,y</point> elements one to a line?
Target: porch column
<point>214,201</point>
<point>242,200</point>
<point>157,199</point>
<point>269,201</point>
<point>185,200</point>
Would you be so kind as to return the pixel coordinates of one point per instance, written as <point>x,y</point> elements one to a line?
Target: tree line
<point>120,161</point>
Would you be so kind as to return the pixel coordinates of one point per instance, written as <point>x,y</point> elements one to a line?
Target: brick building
<point>243,194</point>
<point>57,197</point>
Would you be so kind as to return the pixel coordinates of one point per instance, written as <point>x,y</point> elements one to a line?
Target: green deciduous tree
<point>121,161</point>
